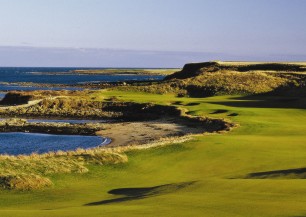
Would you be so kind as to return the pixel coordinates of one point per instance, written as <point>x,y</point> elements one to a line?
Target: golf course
<point>258,168</point>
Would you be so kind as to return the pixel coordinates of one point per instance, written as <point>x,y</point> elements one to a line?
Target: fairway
<point>207,176</point>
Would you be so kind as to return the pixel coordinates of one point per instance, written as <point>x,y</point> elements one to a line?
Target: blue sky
<point>170,32</point>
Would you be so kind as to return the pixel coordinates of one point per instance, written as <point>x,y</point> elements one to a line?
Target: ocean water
<point>2,95</point>
<point>41,75</point>
<point>27,143</point>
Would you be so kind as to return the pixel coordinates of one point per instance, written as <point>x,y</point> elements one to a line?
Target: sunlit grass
<point>271,137</point>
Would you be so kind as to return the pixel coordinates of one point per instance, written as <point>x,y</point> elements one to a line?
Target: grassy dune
<point>211,175</point>
<point>228,78</point>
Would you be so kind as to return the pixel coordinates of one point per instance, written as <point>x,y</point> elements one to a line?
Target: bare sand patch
<point>132,133</point>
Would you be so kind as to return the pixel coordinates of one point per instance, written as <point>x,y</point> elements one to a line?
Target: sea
<point>57,75</point>
<point>15,143</point>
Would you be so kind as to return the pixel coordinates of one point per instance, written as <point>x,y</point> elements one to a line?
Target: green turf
<point>202,177</point>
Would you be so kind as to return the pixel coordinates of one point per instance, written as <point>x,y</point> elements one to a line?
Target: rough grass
<point>23,97</point>
<point>194,69</point>
<point>63,106</point>
<point>24,182</point>
<point>22,125</point>
<point>15,169</point>
<point>217,83</point>
<point>231,82</point>
<point>229,78</point>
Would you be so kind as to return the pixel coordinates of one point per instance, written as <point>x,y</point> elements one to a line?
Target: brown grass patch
<point>24,182</point>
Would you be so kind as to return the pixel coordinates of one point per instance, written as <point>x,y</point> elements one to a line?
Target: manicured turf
<point>202,177</point>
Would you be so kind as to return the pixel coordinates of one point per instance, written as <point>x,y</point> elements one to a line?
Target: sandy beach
<point>129,133</point>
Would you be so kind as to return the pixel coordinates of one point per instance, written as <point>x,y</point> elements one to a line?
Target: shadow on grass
<point>192,104</point>
<point>299,173</point>
<point>177,103</point>
<point>233,115</point>
<point>261,101</point>
<point>219,111</point>
<point>128,194</point>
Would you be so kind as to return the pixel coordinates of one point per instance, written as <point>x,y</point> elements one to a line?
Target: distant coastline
<point>114,71</point>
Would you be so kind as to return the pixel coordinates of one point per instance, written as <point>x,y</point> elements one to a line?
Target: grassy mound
<point>23,97</point>
<point>218,78</point>
<point>59,162</point>
<point>27,172</point>
<point>218,83</point>
<point>195,69</point>
<point>24,182</point>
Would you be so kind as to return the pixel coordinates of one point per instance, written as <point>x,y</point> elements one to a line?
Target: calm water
<point>27,143</point>
<point>71,121</point>
<point>15,87</point>
<point>27,74</point>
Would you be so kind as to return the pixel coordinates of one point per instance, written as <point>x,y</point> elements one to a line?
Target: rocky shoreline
<point>22,125</point>
<point>89,85</point>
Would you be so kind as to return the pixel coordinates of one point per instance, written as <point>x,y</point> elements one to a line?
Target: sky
<point>149,33</point>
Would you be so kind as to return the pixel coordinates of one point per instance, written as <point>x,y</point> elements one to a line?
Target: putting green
<point>202,177</point>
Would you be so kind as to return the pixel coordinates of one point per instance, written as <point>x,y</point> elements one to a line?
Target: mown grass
<point>271,137</point>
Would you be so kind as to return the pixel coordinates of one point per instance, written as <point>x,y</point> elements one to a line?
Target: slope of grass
<point>28,172</point>
<point>221,82</point>
<point>193,69</point>
<point>227,78</point>
<point>202,177</point>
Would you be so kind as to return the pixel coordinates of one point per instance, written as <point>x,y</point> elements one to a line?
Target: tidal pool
<point>16,143</point>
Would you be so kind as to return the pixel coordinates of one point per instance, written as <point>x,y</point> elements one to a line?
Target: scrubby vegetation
<point>32,169</point>
<point>214,78</point>
<point>23,97</point>
<point>217,83</point>
<point>22,125</point>
<point>113,109</point>
<point>24,182</point>
<point>194,69</point>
